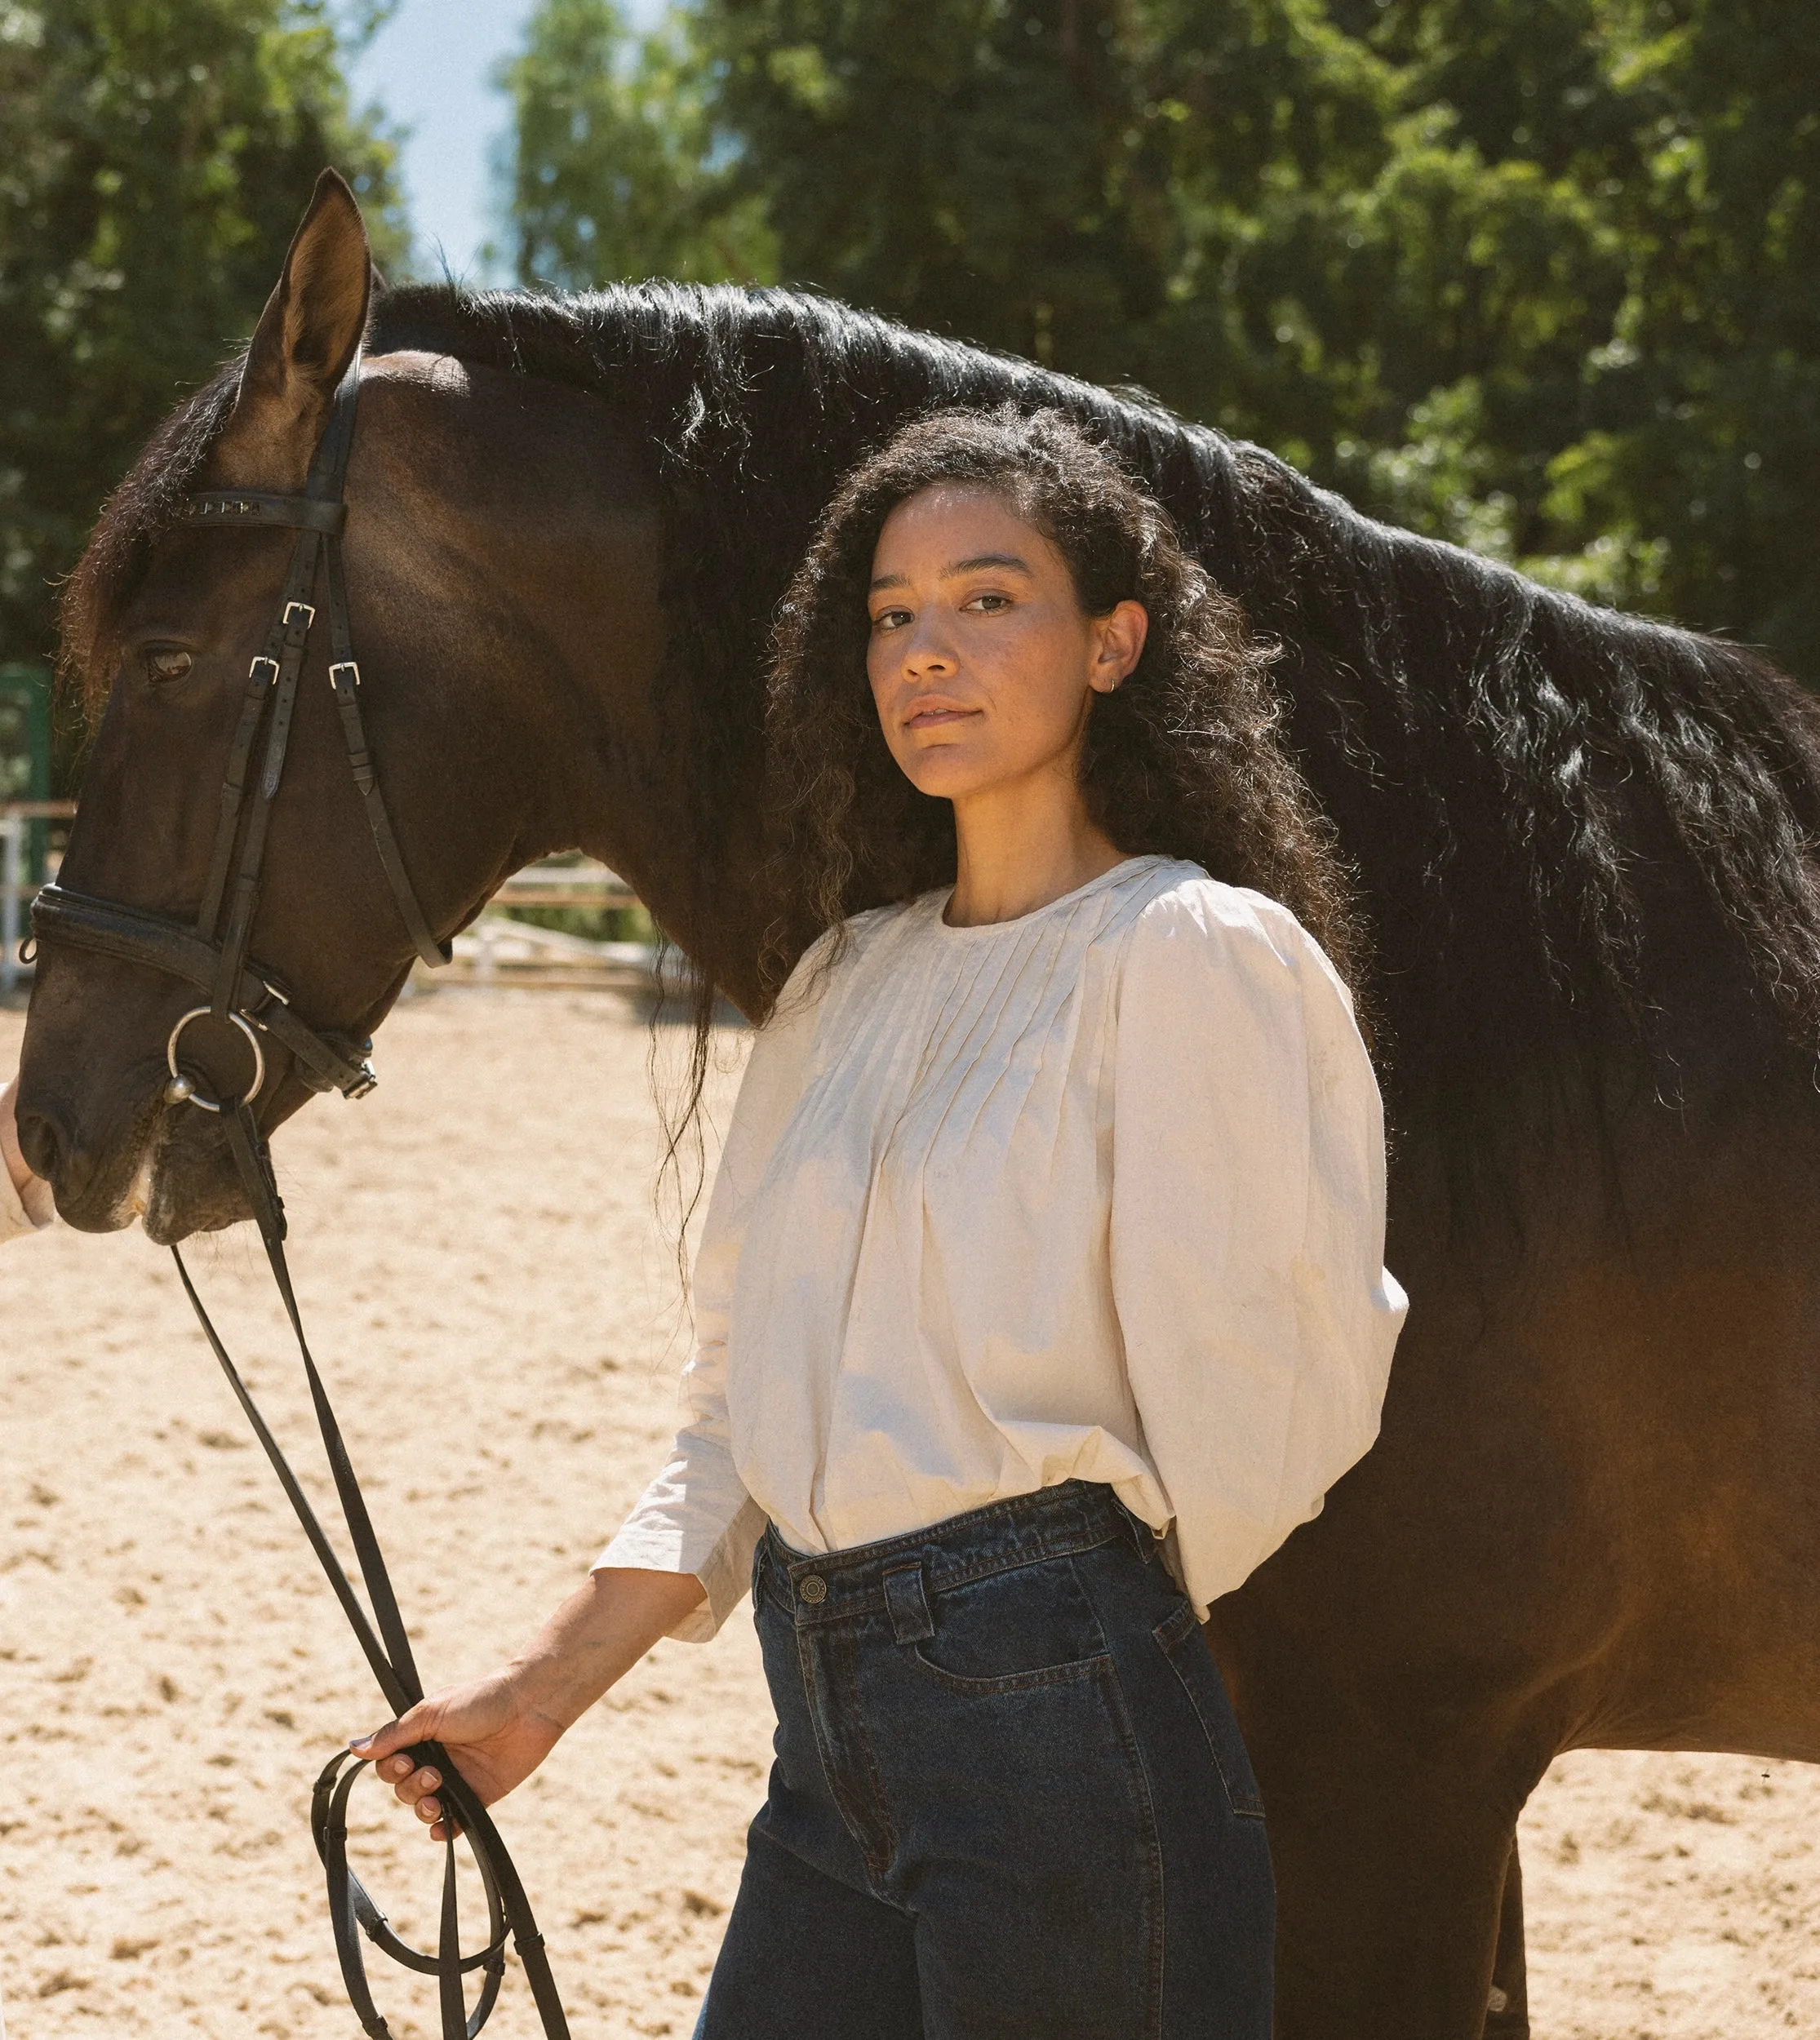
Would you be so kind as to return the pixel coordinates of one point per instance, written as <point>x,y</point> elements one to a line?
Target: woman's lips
<point>927,718</point>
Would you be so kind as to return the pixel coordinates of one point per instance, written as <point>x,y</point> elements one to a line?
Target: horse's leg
<point>1508,2017</point>
<point>1396,1874</point>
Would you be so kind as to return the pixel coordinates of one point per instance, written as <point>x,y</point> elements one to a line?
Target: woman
<point>1041,1292</point>
<point>26,1203</point>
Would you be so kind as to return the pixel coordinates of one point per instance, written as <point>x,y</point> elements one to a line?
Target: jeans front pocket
<point>1181,1642</point>
<point>1071,1673</point>
<point>1028,1844</point>
<point>1029,1626</point>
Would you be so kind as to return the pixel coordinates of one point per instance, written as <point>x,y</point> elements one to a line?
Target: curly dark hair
<point>1183,757</point>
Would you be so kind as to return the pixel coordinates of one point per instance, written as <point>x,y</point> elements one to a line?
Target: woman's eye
<point>991,605</point>
<point>166,662</point>
<point>891,620</point>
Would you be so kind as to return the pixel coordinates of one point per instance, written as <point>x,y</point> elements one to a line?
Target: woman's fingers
<point>493,1738</point>
<point>408,1728</point>
<point>411,1784</point>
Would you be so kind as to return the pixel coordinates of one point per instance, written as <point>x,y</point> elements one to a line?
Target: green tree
<point>154,158</point>
<point>1703,402</point>
<point>612,173</point>
<point>1634,236</point>
<point>983,169</point>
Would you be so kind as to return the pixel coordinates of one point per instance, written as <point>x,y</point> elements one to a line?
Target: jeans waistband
<point>897,1572</point>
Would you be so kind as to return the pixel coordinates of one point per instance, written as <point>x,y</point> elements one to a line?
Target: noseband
<point>213,956</point>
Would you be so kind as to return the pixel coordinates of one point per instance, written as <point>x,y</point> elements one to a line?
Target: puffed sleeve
<point>696,1516</point>
<point>1247,1223</point>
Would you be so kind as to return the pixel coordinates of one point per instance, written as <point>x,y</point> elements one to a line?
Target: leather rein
<point>213,956</point>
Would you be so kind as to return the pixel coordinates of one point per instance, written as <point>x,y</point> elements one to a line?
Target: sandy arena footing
<point>490,1295</point>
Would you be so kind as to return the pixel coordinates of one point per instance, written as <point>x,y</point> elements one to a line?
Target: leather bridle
<point>213,956</point>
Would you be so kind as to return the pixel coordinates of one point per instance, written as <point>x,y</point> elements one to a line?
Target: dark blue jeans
<point>1010,1801</point>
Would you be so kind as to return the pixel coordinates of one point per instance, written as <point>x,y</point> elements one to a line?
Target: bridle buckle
<point>263,660</point>
<point>343,666</point>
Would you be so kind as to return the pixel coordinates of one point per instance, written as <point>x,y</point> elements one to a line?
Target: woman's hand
<point>33,1192</point>
<point>495,1735</point>
<point>498,1729</point>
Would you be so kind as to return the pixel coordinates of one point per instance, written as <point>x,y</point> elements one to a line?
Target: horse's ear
<point>306,337</point>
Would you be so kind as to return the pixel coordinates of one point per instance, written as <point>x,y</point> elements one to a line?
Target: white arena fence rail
<point>502,950</point>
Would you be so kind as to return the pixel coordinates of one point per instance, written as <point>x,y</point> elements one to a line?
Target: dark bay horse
<point>1583,842</point>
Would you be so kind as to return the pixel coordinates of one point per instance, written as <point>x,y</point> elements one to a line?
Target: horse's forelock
<point>114,560</point>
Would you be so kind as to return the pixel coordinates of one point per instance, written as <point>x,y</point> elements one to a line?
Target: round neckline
<point>1123,869</point>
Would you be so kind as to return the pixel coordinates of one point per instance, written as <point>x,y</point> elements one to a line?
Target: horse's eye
<point>166,662</point>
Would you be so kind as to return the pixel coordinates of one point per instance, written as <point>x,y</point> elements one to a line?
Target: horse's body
<point>1592,1516</point>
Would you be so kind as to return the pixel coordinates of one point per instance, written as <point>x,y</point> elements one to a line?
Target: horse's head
<point>468,650</point>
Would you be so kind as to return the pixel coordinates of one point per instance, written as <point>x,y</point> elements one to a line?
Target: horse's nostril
<point>39,1143</point>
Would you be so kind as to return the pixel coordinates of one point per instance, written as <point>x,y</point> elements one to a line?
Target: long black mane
<point>1571,828</point>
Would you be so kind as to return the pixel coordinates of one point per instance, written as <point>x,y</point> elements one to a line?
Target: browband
<point>231,507</point>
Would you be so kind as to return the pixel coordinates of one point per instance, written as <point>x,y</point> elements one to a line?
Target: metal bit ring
<point>181,1090</point>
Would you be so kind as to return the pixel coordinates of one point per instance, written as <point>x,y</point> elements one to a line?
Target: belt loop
<point>908,1603</point>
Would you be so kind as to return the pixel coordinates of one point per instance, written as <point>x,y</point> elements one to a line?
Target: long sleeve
<point>1247,1223</point>
<point>696,1516</point>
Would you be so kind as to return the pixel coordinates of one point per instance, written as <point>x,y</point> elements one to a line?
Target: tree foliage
<point>1539,276</point>
<point>155,156</point>
<point>611,171</point>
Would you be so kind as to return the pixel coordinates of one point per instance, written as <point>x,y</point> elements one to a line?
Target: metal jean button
<point>812,1588</point>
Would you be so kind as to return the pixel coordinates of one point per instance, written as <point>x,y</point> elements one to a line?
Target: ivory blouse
<point>1095,1193</point>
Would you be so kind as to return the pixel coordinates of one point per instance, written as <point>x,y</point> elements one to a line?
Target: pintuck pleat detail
<point>951,1121</point>
<point>1093,1194</point>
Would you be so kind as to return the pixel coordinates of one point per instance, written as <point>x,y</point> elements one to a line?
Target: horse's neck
<point>579,534</point>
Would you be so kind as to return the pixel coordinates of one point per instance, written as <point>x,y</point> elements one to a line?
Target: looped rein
<point>386,1646</point>
<point>214,956</point>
